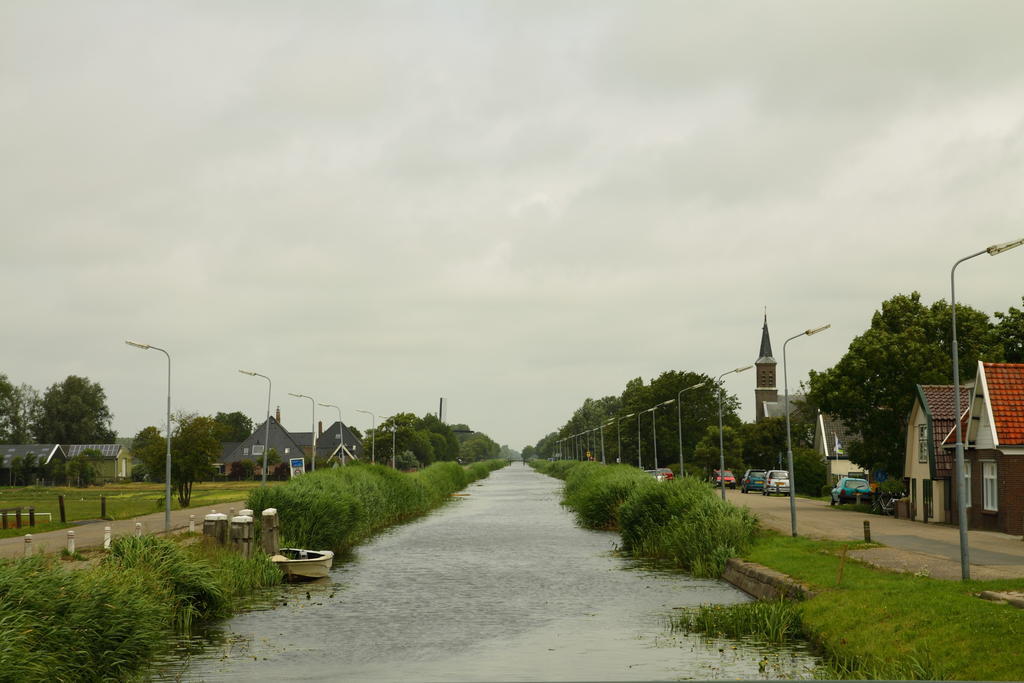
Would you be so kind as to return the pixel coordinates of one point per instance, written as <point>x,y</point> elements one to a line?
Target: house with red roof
<point>928,464</point>
<point>994,449</point>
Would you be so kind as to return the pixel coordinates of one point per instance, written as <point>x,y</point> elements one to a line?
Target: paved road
<point>911,546</point>
<point>90,534</point>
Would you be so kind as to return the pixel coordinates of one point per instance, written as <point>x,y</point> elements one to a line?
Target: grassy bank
<point>109,621</point>
<point>338,508</point>
<point>872,623</point>
<point>682,521</point>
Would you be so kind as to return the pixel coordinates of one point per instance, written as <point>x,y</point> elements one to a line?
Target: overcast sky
<point>515,205</point>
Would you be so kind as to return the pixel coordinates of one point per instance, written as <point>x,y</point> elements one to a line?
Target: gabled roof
<point>778,408</point>
<point>280,439</point>
<point>937,402</point>
<point>107,450</point>
<point>43,451</point>
<point>1005,383</point>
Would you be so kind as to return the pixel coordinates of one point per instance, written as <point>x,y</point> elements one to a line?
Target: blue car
<point>849,488</point>
<point>753,480</point>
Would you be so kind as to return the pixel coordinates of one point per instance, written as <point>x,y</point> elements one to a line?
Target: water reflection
<point>498,586</point>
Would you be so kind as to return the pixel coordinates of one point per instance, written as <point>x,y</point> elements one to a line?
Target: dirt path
<point>931,549</point>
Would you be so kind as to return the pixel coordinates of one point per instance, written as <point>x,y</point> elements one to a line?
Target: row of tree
<point>72,411</point>
<point>420,441</point>
<point>871,388</point>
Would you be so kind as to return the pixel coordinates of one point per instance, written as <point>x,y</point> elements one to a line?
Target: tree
<point>74,411</point>
<point>194,452</point>
<point>1010,332</point>
<point>19,411</point>
<point>529,453</point>
<point>80,470</point>
<point>872,387</point>
<point>150,448</point>
<point>707,454</point>
<point>235,427</point>
<point>478,447</point>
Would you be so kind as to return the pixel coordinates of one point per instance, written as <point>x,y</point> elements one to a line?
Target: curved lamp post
<point>373,439</point>
<point>721,442</point>
<point>266,434</point>
<point>679,405</point>
<point>789,438</point>
<point>961,501</point>
<point>618,428</point>
<point>312,429</point>
<point>603,461</point>
<point>341,429</point>
<point>167,472</point>
<point>654,427</point>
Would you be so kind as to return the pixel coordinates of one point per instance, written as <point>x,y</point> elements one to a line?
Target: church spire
<point>766,343</point>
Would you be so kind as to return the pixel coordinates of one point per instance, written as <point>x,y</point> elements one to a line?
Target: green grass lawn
<point>124,501</point>
<point>887,621</point>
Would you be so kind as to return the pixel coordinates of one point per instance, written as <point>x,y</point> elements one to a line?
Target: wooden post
<point>867,531</point>
<point>60,503</point>
<point>17,518</point>
<point>241,534</point>
<point>4,516</point>
<point>31,516</point>
<point>215,526</point>
<point>269,533</point>
<point>103,507</point>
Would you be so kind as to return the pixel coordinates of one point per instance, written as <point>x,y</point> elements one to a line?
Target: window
<point>989,491</point>
<point>922,443</point>
<point>967,483</point>
<point>245,451</point>
<point>287,449</point>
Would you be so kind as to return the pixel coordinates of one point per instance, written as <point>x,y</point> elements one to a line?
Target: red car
<point>730,480</point>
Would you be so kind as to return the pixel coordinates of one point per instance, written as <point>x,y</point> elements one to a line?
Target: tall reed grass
<point>341,507</point>
<point>678,520</point>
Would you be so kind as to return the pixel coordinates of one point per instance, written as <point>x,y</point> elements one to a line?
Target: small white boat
<point>303,564</point>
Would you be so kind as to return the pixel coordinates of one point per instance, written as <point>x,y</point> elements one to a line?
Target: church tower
<point>766,391</point>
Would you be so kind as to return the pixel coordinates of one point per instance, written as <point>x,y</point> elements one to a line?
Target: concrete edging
<point>764,583</point>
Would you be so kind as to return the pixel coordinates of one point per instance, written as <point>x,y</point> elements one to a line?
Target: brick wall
<point>1009,519</point>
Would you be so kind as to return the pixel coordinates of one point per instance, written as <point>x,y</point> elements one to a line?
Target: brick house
<point>994,449</point>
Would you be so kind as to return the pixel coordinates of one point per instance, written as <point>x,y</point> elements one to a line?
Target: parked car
<point>753,480</point>
<point>847,489</point>
<point>730,479</point>
<point>661,474</point>
<point>776,481</point>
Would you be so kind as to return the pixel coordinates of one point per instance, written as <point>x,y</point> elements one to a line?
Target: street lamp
<point>789,438</point>
<point>639,463</point>
<point>618,428</point>
<point>679,405</point>
<point>341,429</point>
<point>603,461</point>
<point>167,471</point>
<point>961,502</point>
<point>654,427</point>
<point>373,437</point>
<point>394,431</point>
<point>266,434</point>
<point>312,429</point>
<point>721,442</point>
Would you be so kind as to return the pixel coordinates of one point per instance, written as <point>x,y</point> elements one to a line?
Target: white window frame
<point>922,443</point>
<point>967,483</point>
<point>990,485</point>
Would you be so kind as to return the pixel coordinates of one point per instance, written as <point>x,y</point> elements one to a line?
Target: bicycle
<point>885,504</point>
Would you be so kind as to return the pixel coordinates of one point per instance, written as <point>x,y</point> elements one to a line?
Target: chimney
<point>277,415</point>
<point>320,428</point>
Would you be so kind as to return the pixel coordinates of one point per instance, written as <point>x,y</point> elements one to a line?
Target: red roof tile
<point>940,405</point>
<point>1006,396</point>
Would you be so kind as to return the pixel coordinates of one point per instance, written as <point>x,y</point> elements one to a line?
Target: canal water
<point>499,585</point>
